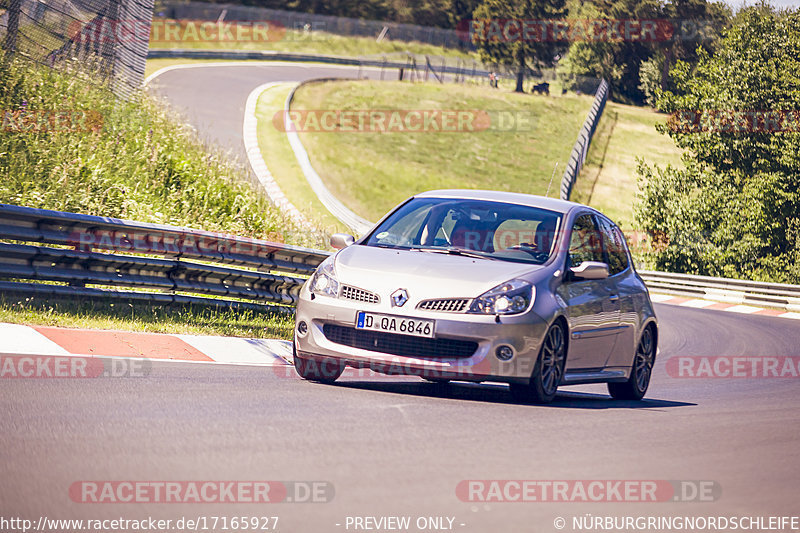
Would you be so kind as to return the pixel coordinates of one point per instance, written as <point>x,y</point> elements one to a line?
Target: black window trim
<point>624,243</point>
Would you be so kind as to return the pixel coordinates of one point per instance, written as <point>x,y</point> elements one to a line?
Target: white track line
<point>658,298</point>
<point>250,136</point>
<point>276,362</point>
<point>730,308</point>
<point>356,223</point>
<point>744,309</point>
<point>698,304</point>
<point>241,351</point>
<point>249,63</point>
<point>18,339</point>
<point>250,127</point>
<point>26,340</point>
<point>256,158</point>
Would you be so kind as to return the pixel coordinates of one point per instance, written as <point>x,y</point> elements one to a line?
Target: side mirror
<point>342,240</point>
<point>590,270</point>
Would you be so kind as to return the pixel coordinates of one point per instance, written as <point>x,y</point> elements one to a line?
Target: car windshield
<point>476,228</point>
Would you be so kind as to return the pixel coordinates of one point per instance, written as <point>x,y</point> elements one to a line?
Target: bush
<point>650,78</point>
<point>138,163</point>
<point>735,210</point>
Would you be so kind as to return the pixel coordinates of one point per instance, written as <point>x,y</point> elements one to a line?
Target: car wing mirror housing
<point>590,270</point>
<point>341,240</point>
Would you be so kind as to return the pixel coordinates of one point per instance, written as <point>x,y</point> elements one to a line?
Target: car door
<point>593,313</point>
<point>625,288</point>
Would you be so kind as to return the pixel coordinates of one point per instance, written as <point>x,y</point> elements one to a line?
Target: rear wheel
<point>548,371</point>
<point>323,370</point>
<point>642,369</point>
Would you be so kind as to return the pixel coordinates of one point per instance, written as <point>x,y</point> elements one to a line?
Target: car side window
<point>585,243</point>
<point>614,244</point>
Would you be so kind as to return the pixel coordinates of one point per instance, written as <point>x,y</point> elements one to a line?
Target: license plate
<point>416,327</point>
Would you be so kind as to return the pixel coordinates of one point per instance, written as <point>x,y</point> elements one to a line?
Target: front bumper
<point>523,333</point>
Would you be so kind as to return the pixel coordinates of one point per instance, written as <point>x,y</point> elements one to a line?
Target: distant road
<point>212,99</point>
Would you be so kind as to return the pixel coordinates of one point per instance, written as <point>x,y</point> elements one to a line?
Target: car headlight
<point>324,280</point>
<point>506,299</point>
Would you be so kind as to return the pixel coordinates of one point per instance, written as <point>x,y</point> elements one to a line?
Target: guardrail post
<point>10,42</point>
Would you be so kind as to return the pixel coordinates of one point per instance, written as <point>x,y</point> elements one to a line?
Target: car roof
<point>552,204</point>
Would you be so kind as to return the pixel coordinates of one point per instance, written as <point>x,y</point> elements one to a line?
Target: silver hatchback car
<point>482,286</point>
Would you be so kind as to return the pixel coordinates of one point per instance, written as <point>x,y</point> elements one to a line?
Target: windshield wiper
<point>454,251</point>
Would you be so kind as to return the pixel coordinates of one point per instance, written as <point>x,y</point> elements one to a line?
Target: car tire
<point>641,369</point>
<point>324,370</point>
<point>548,371</point>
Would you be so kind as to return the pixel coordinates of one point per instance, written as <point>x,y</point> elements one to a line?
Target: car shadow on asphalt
<point>497,393</point>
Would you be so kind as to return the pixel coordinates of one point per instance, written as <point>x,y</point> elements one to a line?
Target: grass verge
<point>371,172</point>
<point>131,160</point>
<point>298,41</point>
<point>153,319</point>
<point>282,164</point>
<point>608,179</point>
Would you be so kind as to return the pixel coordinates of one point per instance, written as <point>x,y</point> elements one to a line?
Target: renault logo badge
<point>399,298</point>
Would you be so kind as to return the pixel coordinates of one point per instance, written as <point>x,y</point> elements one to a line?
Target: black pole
<point>10,42</point>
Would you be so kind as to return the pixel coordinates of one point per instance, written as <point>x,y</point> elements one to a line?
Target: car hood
<point>424,274</point>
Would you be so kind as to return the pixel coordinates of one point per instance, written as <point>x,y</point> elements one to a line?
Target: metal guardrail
<point>739,291</point>
<point>160,264</point>
<point>581,147</point>
<point>267,282</point>
<point>396,62</point>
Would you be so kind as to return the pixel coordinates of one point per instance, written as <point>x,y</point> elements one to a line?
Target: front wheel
<point>548,371</point>
<point>323,370</point>
<point>642,369</point>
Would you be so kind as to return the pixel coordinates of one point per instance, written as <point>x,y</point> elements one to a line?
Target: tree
<point>734,210</point>
<point>651,81</point>
<point>683,26</point>
<point>460,12</point>
<point>500,30</point>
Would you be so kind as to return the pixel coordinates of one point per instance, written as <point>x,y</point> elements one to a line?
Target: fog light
<point>302,328</point>
<point>504,353</point>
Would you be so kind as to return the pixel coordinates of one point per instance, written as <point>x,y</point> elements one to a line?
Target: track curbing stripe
<point>21,339</point>
<point>698,303</point>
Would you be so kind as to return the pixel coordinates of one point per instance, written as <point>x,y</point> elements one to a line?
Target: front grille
<point>446,305</point>
<point>394,344</point>
<point>359,295</point>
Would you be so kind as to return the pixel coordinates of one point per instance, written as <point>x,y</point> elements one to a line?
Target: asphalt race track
<point>213,98</point>
<point>400,446</point>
